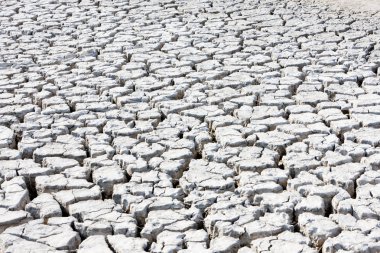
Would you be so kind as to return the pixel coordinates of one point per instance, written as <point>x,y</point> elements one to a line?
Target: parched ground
<point>189,126</point>
<point>369,6</point>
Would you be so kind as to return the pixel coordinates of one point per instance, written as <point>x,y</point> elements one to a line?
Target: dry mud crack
<point>189,126</point>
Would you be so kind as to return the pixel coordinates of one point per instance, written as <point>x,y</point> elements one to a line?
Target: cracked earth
<point>189,126</point>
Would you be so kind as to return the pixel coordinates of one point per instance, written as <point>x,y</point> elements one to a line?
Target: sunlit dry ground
<point>189,126</point>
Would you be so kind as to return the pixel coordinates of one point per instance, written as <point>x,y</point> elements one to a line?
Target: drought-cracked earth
<point>189,126</point>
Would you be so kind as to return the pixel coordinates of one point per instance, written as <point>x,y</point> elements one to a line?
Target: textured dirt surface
<point>369,6</point>
<point>189,126</point>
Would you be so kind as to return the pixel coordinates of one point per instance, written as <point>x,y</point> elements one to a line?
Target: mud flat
<point>189,126</point>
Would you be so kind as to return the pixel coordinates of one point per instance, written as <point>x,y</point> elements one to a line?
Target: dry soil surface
<point>181,126</point>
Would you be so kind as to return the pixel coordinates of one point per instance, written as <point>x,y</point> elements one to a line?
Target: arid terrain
<point>365,6</point>
<point>233,126</point>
